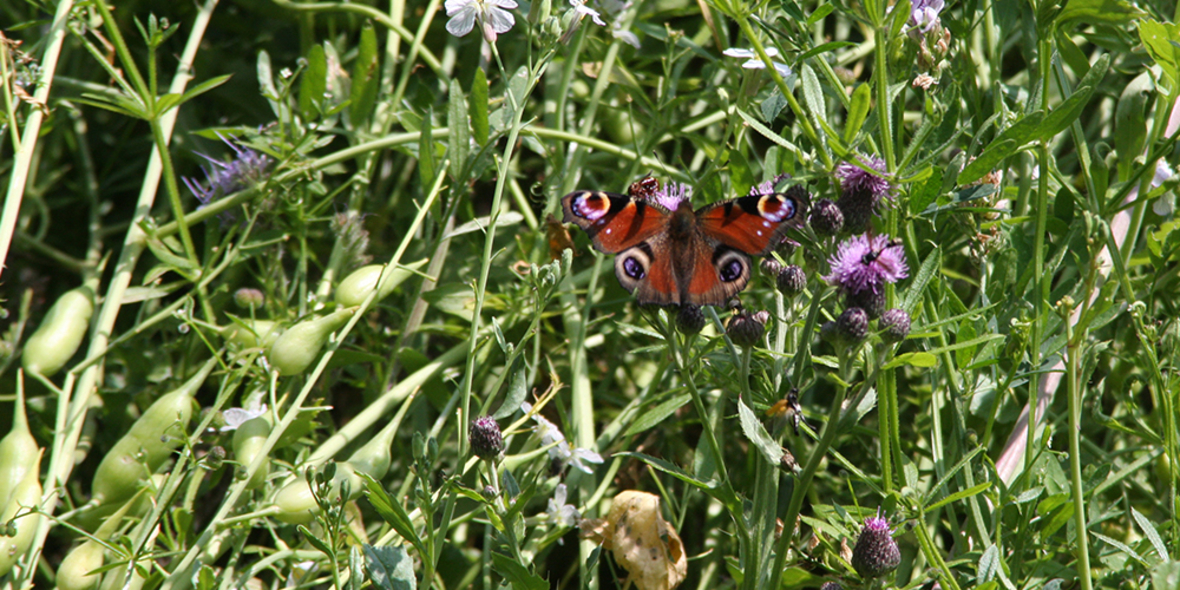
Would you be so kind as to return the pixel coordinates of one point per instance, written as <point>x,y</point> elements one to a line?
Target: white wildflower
<point>493,16</point>
<point>753,62</point>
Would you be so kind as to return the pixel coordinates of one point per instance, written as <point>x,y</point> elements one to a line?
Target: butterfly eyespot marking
<point>777,208</point>
<point>592,207</point>
<point>731,266</point>
<point>632,265</point>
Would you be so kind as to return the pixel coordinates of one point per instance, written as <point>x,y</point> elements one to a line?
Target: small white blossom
<point>235,417</point>
<point>493,16</point>
<point>562,513</point>
<point>753,62</point>
<point>1166,204</point>
<point>582,11</point>
<point>562,451</point>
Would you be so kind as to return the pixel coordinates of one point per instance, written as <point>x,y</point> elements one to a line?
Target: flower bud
<point>249,298</point>
<point>853,325</point>
<point>771,267</point>
<point>870,300</point>
<point>826,218</point>
<point>876,553</point>
<point>791,280</point>
<point>747,329</point>
<point>486,441</point>
<point>895,325</point>
<point>831,586</point>
<point>690,319</point>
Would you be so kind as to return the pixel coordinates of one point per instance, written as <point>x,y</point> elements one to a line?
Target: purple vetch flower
<point>246,169</point>
<point>866,263</point>
<point>924,15</point>
<point>494,17</point>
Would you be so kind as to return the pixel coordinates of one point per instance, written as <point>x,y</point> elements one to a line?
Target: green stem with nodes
<point>1073,354</point>
<point>743,22</point>
<point>803,481</point>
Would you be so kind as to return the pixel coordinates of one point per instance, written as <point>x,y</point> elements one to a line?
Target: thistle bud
<point>870,300</point>
<point>747,329</point>
<point>484,435</point>
<point>826,218</point>
<point>876,553</point>
<point>791,280</point>
<point>895,325</point>
<point>853,325</point>
<point>771,267</point>
<point>690,319</point>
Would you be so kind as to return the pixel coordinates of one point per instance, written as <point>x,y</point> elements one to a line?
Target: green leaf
<point>927,192</point>
<point>708,487</point>
<point>518,390</point>
<point>390,567</point>
<point>858,111</point>
<point>926,272</point>
<point>478,107</point>
<point>315,541</point>
<point>313,83</point>
<point>657,414</point>
<point>366,78</point>
<point>813,94</point>
<point>961,494</point>
<point>392,512</point>
<point>758,126</point>
<point>922,360</point>
<point>460,134</point>
<point>1149,531</point>
<point>1096,12</point>
<point>516,574</point>
<point>203,87</point>
<point>1162,41</point>
<point>757,434</point>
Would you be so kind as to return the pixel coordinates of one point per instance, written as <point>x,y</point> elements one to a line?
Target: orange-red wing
<point>614,222</point>
<point>754,224</point>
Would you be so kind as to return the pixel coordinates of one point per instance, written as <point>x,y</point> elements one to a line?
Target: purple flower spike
<point>865,263</point>
<point>222,178</point>
<point>876,553</point>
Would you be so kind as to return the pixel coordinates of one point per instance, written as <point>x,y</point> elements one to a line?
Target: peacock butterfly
<point>669,254</point>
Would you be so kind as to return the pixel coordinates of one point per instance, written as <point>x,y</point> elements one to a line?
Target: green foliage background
<point>1025,189</point>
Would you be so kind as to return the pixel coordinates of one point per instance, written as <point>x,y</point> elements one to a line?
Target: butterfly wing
<point>614,222</point>
<point>753,224</point>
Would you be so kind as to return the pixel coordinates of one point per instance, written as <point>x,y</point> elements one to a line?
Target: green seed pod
<point>26,494</point>
<point>149,443</point>
<point>251,333</point>
<point>248,441</point>
<point>356,287</point>
<point>374,457</point>
<point>76,570</point>
<point>15,449</point>
<point>60,333</point>
<point>294,350</point>
<point>296,502</point>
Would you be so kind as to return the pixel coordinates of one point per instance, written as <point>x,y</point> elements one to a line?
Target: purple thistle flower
<point>862,192</point>
<point>867,263</point>
<point>876,553</point>
<point>671,195</point>
<point>766,188</point>
<point>854,179</point>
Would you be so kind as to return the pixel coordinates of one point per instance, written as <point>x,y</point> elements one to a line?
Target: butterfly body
<point>668,254</point>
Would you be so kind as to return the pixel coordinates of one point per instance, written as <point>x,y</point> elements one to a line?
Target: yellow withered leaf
<point>642,542</point>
